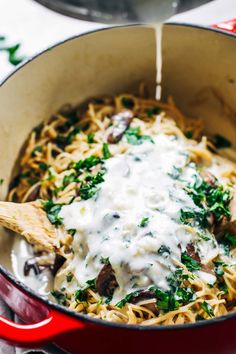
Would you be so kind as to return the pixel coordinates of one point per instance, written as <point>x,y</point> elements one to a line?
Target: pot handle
<point>38,333</point>
<point>229,26</point>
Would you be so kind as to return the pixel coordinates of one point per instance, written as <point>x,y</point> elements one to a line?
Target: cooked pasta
<point>148,205</point>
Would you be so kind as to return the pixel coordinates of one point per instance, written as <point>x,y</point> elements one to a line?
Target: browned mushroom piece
<point>208,268</point>
<point>106,281</point>
<point>190,249</point>
<point>121,122</point>
<point>147,295</point>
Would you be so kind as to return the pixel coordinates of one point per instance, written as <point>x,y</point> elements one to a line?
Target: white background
<point>36,27</point>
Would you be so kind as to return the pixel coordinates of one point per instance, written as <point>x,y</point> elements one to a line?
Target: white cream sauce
<point>138,184</point>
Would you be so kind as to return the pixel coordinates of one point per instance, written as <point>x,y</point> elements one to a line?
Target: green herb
<point>221,142</point>
<point>71,232</point>
<point>59,296</point>
<point>51,176</point>
<point>144,222</point>
<point>1,181</point>
<point>189,262</point>
<point>223,287</point>
<point>52,209</point>
<point>69,277</point>
<point>89,188</point>
<point>188,134</point>
<point>175,173</point>
<point>127,299</point>
<point>106,152</point>
<point>68,180</point>
<point>204,237</point>
<point>200,318</point>
<point>211,198</point>
<point>163,249</point>
<point>228,241</point>
<point>187,217</point>
<point>87,163</point>
<point>127,102</point>
<point>81,294</point>
<point>104,260</point>
<point>134,136</point>
<point>12,52</point>
<point>32,181</point>
<point>208,309</point>
<point>90,138</point>
<point>36,150</point>
<point>169,301</point>
<point>151,111</point>
<point>64,140</point>
<point>43,166</point>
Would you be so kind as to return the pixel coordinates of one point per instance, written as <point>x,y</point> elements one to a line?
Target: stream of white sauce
<point>138,184</point>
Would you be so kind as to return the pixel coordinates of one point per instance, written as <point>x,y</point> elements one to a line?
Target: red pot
<point>110,61</point>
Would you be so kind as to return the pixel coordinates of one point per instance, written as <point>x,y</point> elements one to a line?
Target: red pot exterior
<point>77,336</point>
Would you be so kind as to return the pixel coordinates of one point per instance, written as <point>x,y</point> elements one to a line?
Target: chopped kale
<point>189,262</point>
<point>106,151</point>
<point>221,142</point>
<point>144,222</point>
<point>90,138</point>
<point>134,136</point>
<point>52,209</point>
<point>208,309</point>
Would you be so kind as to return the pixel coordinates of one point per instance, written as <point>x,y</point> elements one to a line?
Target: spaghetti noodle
<point>148,206</point>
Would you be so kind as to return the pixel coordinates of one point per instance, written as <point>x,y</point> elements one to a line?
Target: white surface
<point>36,27</point>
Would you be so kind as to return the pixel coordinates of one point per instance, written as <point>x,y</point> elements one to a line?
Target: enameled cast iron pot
<point>199,69</point>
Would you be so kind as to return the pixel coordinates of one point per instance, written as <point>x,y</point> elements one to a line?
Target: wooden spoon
<point>30,221</point>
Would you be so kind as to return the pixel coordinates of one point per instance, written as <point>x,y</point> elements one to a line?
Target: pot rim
<point>85,318</point>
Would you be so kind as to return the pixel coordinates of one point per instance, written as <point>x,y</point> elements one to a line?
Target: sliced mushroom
<point>192,252</point>
<point>121,122</point>
<point>106,281</point>
<point>146,295</point>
